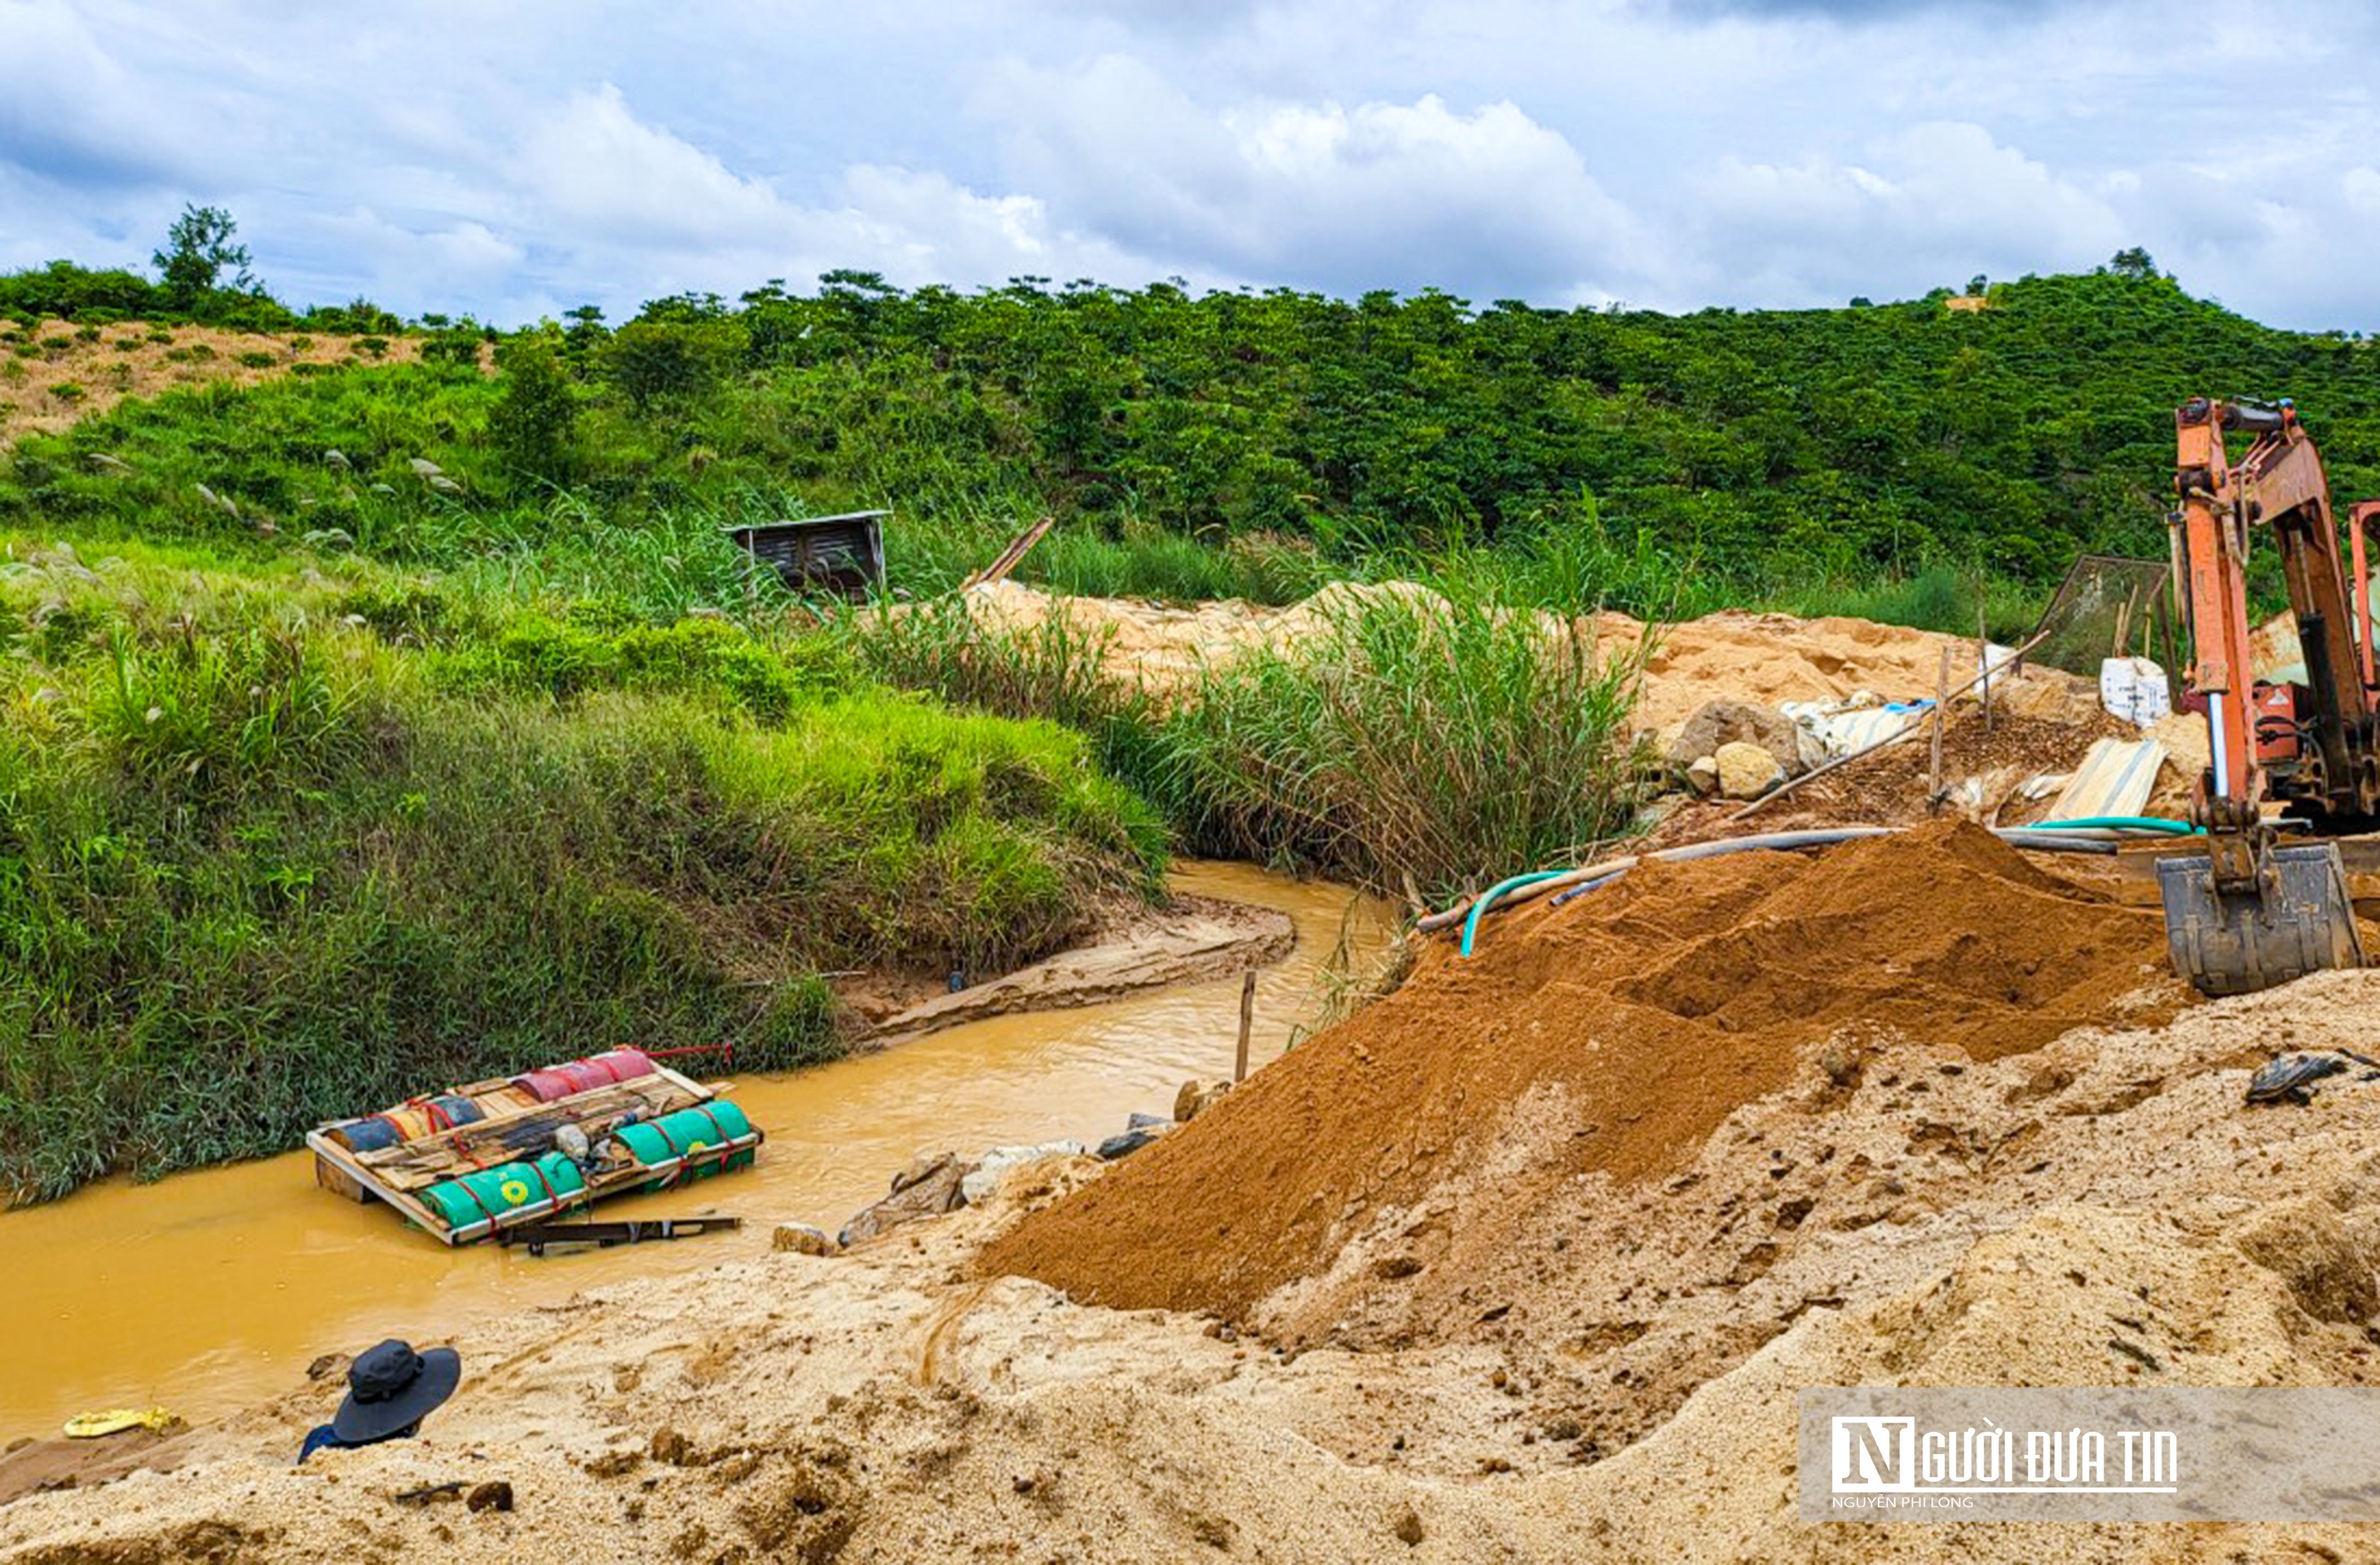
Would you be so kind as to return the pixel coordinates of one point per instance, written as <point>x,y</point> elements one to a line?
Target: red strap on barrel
<point>725,1151</point>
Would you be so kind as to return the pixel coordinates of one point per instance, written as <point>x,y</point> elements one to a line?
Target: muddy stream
<point>211,1290</point>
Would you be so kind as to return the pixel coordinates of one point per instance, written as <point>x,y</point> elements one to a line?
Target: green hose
<point>2119,823</point>
<point>1471,925</point>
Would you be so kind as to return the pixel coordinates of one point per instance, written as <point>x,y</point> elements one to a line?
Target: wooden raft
<point>396,1174</point>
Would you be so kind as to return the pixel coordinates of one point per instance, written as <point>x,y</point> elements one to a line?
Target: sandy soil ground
<point>1192,940</point>
<point>125,360</point>
<point>1519,1358</point>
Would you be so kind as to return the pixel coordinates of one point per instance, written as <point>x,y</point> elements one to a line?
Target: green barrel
<point>474,1197</point>
<point>688,1132</point>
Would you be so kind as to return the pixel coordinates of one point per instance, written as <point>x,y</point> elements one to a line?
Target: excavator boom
<point>2249,914</point>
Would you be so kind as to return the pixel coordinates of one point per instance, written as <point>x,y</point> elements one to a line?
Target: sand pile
<point>1608,1038</point>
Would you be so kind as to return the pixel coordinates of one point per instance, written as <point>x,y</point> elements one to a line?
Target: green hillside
<point>1291,436</point>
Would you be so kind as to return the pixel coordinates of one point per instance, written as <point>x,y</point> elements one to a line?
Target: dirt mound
<point>1747,657</point>
<point>1608,1375</point>
<point>1776,658</point>
<point>1610,1036</point>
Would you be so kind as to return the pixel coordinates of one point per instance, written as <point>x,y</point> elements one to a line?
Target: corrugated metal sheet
<point>2116,778</point>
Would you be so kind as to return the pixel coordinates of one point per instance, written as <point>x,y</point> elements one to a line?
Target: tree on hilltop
<point>198,250</point>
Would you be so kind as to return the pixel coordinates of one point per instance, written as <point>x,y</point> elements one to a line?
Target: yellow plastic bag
<point>115,1420</point>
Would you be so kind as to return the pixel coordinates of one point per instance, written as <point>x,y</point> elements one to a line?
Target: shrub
<point>658,360</point>
<point>531,423</point>
<point>257,359</point>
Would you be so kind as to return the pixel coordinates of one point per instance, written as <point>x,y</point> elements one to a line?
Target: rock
<point>1128,1143</point>
<point>1196,1097</point>
<point>1746,770</point>
<point>1811,749</point>
<point>1138,1120</point>
<point>923,1166</point>
<point>929,1196</point>
<point>997,1164</point>
<point>801,1239</point>
<point>1408,1528</point>
<point>1702,776</point>
<point>493,1495</point>
<point>330,1367</point>
<point>1716,724</point>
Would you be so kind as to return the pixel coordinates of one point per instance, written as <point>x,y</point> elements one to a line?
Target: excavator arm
<point>2249,914</point>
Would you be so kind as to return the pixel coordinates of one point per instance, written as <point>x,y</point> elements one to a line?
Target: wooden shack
<point>843,555</point>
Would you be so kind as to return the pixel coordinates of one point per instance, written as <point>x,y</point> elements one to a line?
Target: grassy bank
<point>281,846</point>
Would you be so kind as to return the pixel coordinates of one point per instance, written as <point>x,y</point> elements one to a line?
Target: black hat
<point>390,1387</point>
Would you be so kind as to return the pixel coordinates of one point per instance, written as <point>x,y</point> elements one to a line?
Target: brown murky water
<point>213,1288</point>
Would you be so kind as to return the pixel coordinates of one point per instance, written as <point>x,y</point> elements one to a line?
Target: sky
<point>514,160</point>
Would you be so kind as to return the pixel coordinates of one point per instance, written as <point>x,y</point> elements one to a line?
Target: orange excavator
<point>2299,751</point>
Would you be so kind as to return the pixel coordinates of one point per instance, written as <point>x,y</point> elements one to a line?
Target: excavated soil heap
<point>1743,657</point>
<point>1661,1004</point>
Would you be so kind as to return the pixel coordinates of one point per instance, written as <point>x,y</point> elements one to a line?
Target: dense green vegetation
<point>1261,444</point>
<point>434,727</point>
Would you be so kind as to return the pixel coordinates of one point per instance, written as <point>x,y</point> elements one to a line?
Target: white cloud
<point>1382,194</point>
<point>536,155</point>
<point>594,169</point>
<point>1923,208</point>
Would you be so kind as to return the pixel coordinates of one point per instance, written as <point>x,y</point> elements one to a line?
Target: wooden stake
<point>1984,661</point>
<point>1247,1020</point>
<point>1941,705</point>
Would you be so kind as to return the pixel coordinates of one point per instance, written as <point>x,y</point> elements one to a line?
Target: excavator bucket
<point>2238,943</point>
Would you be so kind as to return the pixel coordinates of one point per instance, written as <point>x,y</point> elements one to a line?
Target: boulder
<point>802,1240</point>
<point>1719,723</point>
<point>918,1168</point>
<point>1703,777</point>
<point>1811,749</point>
<point>928,1195</point>
<point>1746,770</point>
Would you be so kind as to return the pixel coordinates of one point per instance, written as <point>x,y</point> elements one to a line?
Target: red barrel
<point>584,1075</point>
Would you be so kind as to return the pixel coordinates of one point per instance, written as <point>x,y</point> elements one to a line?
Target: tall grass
<point>1428,739</point>
<point>1441,741</point>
